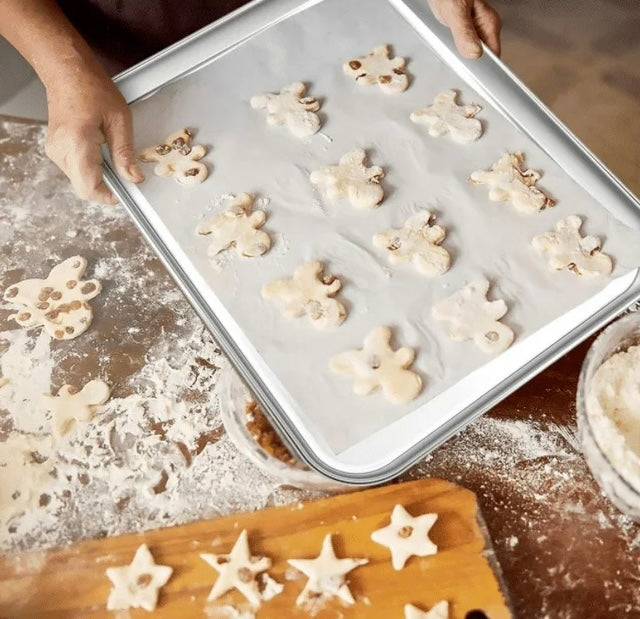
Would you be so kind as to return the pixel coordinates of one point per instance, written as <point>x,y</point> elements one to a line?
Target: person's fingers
<point>460,19</point>
<point>119,135</point>
<point>77,153</point>
<point>488,25</point>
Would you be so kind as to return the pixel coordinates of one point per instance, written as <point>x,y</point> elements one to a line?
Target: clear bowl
<point>233,404</point>
<point>623,492</point>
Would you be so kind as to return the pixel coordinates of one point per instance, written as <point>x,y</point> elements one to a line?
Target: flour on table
<point>138,584</point>
<point>237,227</point>
<point>564,248</point>
<point>507,182</point>
<point>406,536</point>
<point>59,302</point>
<point>290,108</point>
<point>472,317</point>
<point>352,179</point>
<point>445,116</point>
<point>417,242</point>
<point>439,611</point>
<point>309,292</point>
<point>238,570</point>
<point>326,575</point>
<point>70,406</point>
<point>378,68</point>
<point>377,365</point>
<point>177,157</point>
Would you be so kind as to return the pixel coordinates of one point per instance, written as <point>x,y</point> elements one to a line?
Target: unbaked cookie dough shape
<point>59,303</point>
<point>178,158</point>
<point>406,536</point>
<point>507,182</point>
<point>377,365</point>
<point>290,108</point>
<point>445,116</point>
<point>378,68</point>
<point>353,179</point>
<point>309,292</point>
<point>564,248</point>
<point>138,584</point>
<point>238,227</point>
<point>417,242</point>
<point>238,570</point>
<point>438,611</point>
<point>472,317</point>
<point>70,405</point>
<point>326,575</point>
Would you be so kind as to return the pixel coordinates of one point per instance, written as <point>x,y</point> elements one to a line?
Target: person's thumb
<point>460,20</point>
<point>119,135</point>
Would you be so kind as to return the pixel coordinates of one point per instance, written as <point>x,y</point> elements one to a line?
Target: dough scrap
<point>352,178</point>
<point>417,242</point>
<point>564,248</point>
<point>71,406</point>
<point>326,574</point>
<point>176,157</point>
<point>438,611</point>
<point>508,182</point>
<point>446,116</point>
<point>309,292</point>
<point>406,536</point>
<point>237,227</point>
<point>290,108</point>
<point>59,303</point>
<point>238,570</point>
<point>473,317</point>
<point>377,365</point>
<point>378,68</point>
<point>138,584</point>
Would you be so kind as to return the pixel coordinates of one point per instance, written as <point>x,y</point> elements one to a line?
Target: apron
<point>124,32</point>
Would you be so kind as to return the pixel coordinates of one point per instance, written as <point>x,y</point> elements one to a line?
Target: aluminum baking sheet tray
<point>206,81</point>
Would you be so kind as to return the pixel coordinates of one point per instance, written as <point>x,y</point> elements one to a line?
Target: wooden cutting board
<point>71,582</point>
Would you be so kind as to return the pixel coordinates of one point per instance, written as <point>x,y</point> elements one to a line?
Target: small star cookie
<point>377,365</point>
<point>70,406</point>
<point>566,249</point>
<point>59,302</point>
<point>417,242</point>
<point>137,585</point>
<point>508,182</point>
<point>377,68</point>
<point>406,536</point>
<point>308,292</point>
<point>471,316</point>
<point>176,157</point>
<point>439,611</point>
<point>352,178</point>
<point>290,108</point>
<point>326,575</point>
<point>237,227</point>
<point>446,116</point>
<point>238,570</point>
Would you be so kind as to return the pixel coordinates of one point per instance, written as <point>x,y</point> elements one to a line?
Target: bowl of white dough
<point>253,435</point>
<point>608,402</point>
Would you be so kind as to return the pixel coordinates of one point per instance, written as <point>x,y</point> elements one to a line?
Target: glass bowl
<point>605,458</point>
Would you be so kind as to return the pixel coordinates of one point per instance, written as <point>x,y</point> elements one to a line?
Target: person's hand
<point>85,111</point>
<point>470,21</point>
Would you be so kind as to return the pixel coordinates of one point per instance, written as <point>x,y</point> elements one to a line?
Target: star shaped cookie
<point>326,574</point>
<point>238,570</point>
<point>439,611</point>
<point>138,584</point>
<point>406,536</point>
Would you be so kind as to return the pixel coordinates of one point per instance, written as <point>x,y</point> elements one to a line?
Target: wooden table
<point>565,551</point>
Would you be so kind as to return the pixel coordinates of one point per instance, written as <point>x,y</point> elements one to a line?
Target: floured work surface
<point>460,572</point>
<point>484,238</point>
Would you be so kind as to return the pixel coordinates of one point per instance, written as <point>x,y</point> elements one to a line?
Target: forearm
<point>42,34</point>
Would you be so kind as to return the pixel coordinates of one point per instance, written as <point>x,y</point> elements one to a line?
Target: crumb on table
<point>262,431</point>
